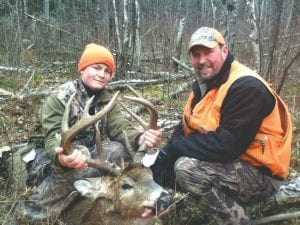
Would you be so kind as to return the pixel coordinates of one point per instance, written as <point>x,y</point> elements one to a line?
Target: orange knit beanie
<point>95,54</point>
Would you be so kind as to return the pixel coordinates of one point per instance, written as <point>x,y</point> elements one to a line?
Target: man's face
<point>208,62</point>
<point>96,76</point>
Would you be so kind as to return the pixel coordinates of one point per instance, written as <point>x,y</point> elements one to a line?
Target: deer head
<point>130,196</point>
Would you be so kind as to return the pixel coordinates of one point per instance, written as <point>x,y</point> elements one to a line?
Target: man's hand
<point>163,168</point>
<point>151,138</point>
<point>76,160</point>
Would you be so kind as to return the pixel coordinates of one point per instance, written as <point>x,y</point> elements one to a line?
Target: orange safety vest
<point>270,148</point>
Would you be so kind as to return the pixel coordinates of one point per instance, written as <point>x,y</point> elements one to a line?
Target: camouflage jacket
<point>51,113</point>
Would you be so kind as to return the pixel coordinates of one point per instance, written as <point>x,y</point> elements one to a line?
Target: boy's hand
<point>76,160</point>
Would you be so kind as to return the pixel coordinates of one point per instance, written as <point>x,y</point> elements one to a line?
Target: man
<point>54,172</point>
<point>233,146</point>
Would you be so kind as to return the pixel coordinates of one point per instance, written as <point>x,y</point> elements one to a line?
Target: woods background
<point>41,42</point>
<point>264,34</point>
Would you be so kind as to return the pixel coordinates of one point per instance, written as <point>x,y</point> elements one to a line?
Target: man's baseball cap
<point>206,36</point>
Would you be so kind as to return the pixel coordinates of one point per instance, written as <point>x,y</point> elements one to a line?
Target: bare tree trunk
<point>232,8</point>
<point>46,13</point>
<point>284,51</point>
<point>285,72</point>
<point>138,43</point>
<point>263,11</point>
<point>124,58</point>
<point>98,8</point>
<point>228,21</point>
<point>214,9</point>
<point>275,32</point>
<point>259,58</point>
<point>25,6</point>
<point>125,27</point>
<point>223,19</point>
<point>177,52</point>
<point>181,25</point>
<point>254,34</point>
<point>132,43</point>
<point>117,27</point>
<point>111,28</point>
<point>203,16</point>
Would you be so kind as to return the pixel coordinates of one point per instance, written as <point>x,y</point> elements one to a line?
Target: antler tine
<point>101,153</point>
<point>65,126</point>
<point>136,117</point>
<point>153,112</point>
<point>101,163</point>
<point>127,144</point>
<point>136,93</point>
<point>86,120</point>
<point>104,166</point>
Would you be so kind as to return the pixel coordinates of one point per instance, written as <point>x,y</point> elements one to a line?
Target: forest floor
<point>18,119</point>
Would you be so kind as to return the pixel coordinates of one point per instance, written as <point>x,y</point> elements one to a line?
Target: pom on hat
<point>95,54</point>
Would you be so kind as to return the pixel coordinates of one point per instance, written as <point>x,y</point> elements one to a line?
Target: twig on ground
<point>26,85</point>
<point>276,218</point>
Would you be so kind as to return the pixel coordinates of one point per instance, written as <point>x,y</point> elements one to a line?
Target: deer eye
<point>126,186</point>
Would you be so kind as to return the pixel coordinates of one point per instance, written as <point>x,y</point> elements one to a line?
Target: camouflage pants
<point>56,191</point>
<point>223,189</point>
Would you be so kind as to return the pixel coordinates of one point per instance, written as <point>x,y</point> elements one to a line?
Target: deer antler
<point>152,122</point>
<point>149,106</point>
<point>86,120</point>
<point>153,112</point>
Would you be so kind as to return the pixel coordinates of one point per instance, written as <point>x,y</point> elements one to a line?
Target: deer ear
<point>94,188</point>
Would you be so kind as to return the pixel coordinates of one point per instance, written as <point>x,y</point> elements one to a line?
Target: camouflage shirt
<point>51,113</point>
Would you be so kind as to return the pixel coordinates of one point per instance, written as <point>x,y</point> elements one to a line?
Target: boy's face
<point>96,76</point>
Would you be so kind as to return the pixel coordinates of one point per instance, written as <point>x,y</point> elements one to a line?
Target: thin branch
<point>179,198</point>
<point>27,83</point>
<point>6,93</point>
<point>276,218</point>
<point>183,65</point>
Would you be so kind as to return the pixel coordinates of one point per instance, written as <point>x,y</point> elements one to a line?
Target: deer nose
<point>164,202</point>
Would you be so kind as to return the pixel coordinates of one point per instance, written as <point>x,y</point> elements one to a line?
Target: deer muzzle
<point>160,207</point>
<point>163,203</point>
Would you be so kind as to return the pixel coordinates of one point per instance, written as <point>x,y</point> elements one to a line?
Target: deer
<point>127,195</point>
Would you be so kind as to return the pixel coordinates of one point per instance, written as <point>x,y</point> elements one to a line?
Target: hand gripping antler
<point>86,120</point>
